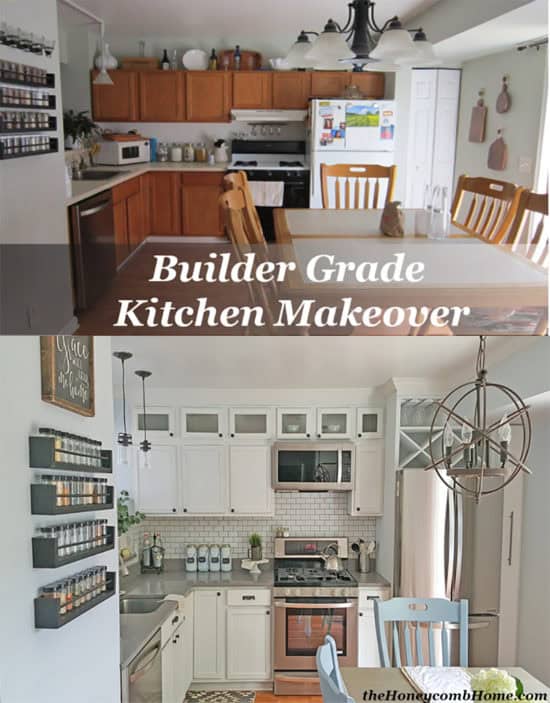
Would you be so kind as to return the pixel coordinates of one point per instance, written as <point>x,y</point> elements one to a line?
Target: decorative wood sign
<point>498,154</point>
<point>504,100</point>
<point>478,121</point>
<point>67,365</point>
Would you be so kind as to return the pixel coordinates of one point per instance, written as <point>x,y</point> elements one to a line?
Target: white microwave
<point>313,466</point>
<point>113,153</point>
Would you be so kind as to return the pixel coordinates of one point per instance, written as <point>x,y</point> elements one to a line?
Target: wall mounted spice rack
<point>25,99</point>
<point>42,454</point>
<point>44,501</point>
<point>47,610</point>
<point>17,147</point>
<point>25,76</point>
<point>17,123</point>
<point>45,551</point>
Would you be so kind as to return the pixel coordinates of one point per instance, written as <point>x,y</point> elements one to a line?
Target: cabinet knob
<point>220,435</point>
<point>218,594</point>
<point>360,615</point>
<point>268,612</point>
<point>308,435</point>
<point>358,510</point>
<point>177,637</point>
<point>232,434</point>
<point>185,510</point>
<point>319,436</point>
<point>171,434</point>
<point>359,434</point>
<point>174,510</point>
<point>175,620</point>
<point>232,510</point>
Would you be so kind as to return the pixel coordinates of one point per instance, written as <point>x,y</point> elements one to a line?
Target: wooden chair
<point>485,207</point>
<point>528,232</point>
<point>401,612</point>
<point>330,678</point>
<point>364,185</point>
<point>239,181</point>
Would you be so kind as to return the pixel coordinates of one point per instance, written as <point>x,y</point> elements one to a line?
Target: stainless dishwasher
<point>93,248</point>
<point>142,678</point>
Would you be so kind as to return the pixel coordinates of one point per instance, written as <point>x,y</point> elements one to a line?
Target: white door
<point>209,424</point>
<point>209,636</point>
<point>333,423</point>
<point>367,650</point>
<point>421,135</point>
<point>250,423</point>
<point>367,497</point>
<point>370,423</point>
<point>250,479</point>
<point>160,422</point>
<point>249,643</point>
<point>186,659</point>
<point>446,122</point>
<point>158,486</point>
<point>204,484</point>
<point>295,423</point>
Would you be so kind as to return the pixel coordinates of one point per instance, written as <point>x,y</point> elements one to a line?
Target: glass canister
<point>201,152</point>
<point>162,153</point>
<point>176,153</point>
<point>188,152</point>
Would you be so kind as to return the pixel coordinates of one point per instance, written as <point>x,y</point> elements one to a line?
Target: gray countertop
<point>137,630</point>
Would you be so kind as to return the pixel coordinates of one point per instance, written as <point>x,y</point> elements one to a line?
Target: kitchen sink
<point>139,606</point>
<point>100,175</point>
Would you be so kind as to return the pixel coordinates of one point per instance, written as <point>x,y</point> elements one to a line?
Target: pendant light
<point>424,54</point>
<point>472,454</point>
<point>329,48</point>
<point>144,445</point>
<point>296,57</point>
<point>395,43</point>
<point>103,78</point>
<point>124,439</point>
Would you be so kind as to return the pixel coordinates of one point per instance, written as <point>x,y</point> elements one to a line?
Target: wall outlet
<point>525,164</point>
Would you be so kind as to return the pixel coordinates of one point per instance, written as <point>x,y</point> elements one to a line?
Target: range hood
<point>266,116</point>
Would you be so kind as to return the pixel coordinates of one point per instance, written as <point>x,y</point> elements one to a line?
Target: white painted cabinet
<point>367,497</point>
<point>295,423</point>
<point>250,489</point>
<point>334,423</point>
<point>158,483</point>
<point>250,423</point>
<point>203,479</point>
<point>435,95</point>
<point>370,423</point>
<point>208,424</point>
<point>209,636</point>
<point>160,422</point>
<point>249,643</point>
<point>367,644</point>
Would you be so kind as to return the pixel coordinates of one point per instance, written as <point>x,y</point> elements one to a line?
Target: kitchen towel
<point>437,679</point>
<point>267,193</point>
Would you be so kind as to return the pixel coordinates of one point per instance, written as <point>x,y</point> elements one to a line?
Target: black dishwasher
<point>93,248</point>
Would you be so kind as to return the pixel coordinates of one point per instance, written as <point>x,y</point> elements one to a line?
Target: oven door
<point>301,625</point>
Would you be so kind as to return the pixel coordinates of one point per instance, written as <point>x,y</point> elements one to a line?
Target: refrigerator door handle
<point>451,524</point>
<point>459,546</point>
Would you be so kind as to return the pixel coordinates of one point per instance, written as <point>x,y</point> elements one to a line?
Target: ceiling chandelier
<point>360,41</point>
<point>124,439</point>
<point>471,453</point>
<point>144,445</point>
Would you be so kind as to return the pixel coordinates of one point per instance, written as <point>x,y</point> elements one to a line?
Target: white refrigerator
<point>349,132</point>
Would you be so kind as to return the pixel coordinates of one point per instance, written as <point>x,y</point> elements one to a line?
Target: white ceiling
<point>246,18</point>
<point>304,362</point>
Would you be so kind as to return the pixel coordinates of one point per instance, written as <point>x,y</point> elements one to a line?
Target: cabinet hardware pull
<point>232,510</point>
<point>511,538</point>
<point>308,435</point>
<point>175,620</point>
<point>358,510</point>
<point>268,612</point>
<point>185,510</point>
<point>171,434</point>
<point>360,615</point>
<point>220,435</point>
<point>174,510</point>
<point>359,434</point>
<point>218,594</point>
<point>248,597</point>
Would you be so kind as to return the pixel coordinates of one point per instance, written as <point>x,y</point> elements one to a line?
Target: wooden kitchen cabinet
<point>128,218</point>
<point>367,496</point>
<point>158,483</point>
<point>165,203</point>
<point>249,643</point>
<point>252,90</point>
<point>291,90</point>
<point>202,216</point>
<point>162,96</point>
<point>145,187</point>
<point>204,479</point>
<point>329,84</point>
<point>208,96</point>
<point>120,221</point>
<point>250,489</point>
<point>371,83</point>
<point>118,102</point>
<point>209,635</point>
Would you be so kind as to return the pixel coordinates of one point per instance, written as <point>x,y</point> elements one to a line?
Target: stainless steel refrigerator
<point>449,547</point>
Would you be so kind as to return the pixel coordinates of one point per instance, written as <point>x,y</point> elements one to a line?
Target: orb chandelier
<point>470,452</point>
<point>360,41</point>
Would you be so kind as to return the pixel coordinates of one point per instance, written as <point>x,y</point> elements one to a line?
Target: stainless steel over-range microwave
<point>313,466</point>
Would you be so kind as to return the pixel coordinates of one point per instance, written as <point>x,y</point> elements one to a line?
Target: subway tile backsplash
<point>305,514</point>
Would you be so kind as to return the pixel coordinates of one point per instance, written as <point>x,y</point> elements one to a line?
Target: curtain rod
<point>533,45</point>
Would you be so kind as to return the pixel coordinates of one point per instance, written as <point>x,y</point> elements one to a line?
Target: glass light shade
<point>146,460</point>
<point>505,430</point>
<point>103,78</point>
<point>424,55</point>
<point>394,43</point>
<point>448,436</point>
<point>328,49</point>
<point>296,57</point>
<point>466,434</point>
<point>122,455</point>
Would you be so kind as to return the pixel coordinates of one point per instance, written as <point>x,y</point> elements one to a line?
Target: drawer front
<point>126,189</point>
<point>252,596</point>
<point>367,596</point>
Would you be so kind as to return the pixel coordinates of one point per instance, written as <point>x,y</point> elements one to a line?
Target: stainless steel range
<point>311,601</point>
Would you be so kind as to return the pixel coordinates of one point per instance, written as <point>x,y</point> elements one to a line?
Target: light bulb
<point>448,436</point>
<point>146,461</point>
<point>505,429</point>
<point>466,434</point>
<point>122,455</point>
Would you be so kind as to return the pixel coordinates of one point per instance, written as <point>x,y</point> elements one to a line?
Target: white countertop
<point>85,189</point>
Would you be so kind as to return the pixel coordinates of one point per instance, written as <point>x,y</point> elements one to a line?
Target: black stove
<point>245,164</point>
<point>291,164</point>
<point>307,575</point>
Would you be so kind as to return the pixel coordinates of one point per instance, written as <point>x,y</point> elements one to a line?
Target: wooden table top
<point>358,680</point>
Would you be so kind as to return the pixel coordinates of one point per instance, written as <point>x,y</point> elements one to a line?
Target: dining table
<point>374,684</point>
<point>459,269</point>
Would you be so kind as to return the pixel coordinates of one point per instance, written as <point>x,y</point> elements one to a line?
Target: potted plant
<point>126,520</point>
<point>78,129</point>
<point>255,542</point>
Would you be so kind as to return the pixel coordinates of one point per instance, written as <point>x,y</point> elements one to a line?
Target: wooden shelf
<point>45,554</point>
<point>44,498</point>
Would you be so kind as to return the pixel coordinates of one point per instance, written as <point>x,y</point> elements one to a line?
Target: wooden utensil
<point>498,154</point>
<point>478,121</point>
<point>504,100</point>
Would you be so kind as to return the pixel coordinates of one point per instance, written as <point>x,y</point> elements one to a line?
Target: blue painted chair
<point>332,684</point>
<point>401,612</point>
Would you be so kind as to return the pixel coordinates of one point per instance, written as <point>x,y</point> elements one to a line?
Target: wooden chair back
<point>233,206</point>
<point>357,186</point>
<point>424,613</point>
<point>239,181</point>
<point>330,678</point>
<point>485,207</point>
<point>529,234</point>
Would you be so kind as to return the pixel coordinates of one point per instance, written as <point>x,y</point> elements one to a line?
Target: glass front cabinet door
<point>295,423</point>
<point>334,423</point>
<point>370,423</point>
<point>160,423</point>
<point>250,423</point>
<point>204,423</point>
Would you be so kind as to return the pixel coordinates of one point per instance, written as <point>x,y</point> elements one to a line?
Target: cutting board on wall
<point>478,121</point>
<point>498,154</point>
<point>504,100</point>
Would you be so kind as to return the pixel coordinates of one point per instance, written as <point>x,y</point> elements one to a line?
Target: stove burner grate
<point>246,163</point>
<point>291,164</point>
